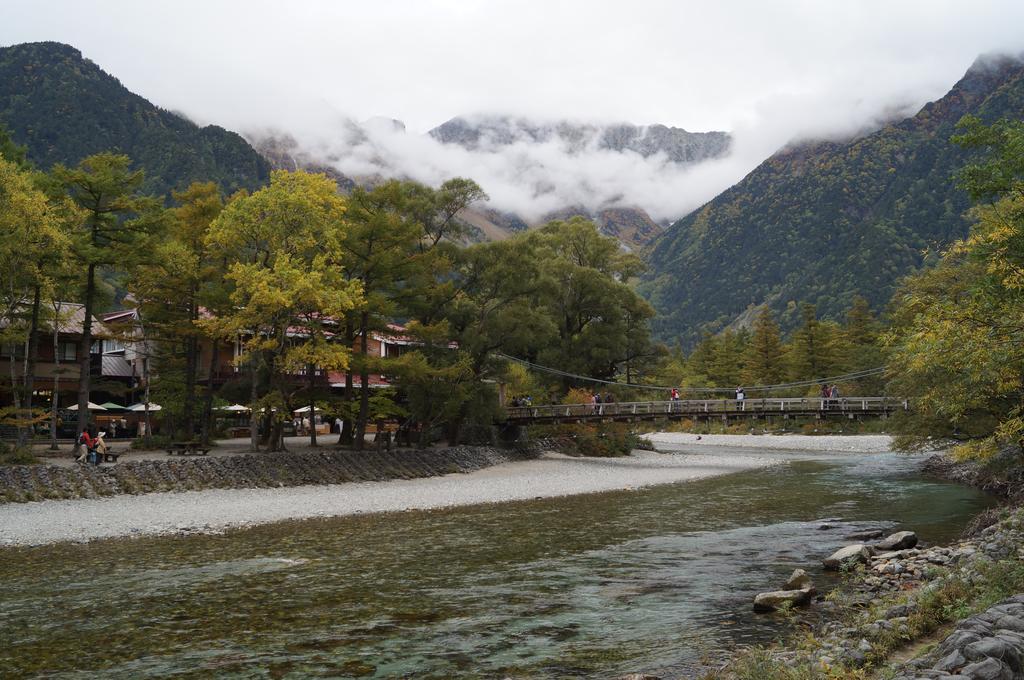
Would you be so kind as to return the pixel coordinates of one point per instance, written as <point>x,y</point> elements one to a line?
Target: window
<point>111,346</point>
<point>68,351</point>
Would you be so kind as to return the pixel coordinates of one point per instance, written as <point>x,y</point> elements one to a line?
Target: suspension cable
<point>856,375</point>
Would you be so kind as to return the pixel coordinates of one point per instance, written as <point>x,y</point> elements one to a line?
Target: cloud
<point>527,177</point>
<point>768,72</point>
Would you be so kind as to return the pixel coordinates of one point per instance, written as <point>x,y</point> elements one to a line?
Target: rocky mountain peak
<point>494,132</point>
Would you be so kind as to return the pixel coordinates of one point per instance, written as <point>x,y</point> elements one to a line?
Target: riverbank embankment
<point>148,472</point>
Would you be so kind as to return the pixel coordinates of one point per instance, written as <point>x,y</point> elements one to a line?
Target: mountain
<point>821,222</point>
<point>283,152</point>
<point>64,107</point>
<point>492,132</point>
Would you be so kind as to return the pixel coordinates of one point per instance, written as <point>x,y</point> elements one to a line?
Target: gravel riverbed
<point>861,443</point>
<point>551,475</point>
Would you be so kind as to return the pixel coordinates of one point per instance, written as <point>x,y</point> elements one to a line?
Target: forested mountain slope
<point>822,222</point>
<point>64,107</point>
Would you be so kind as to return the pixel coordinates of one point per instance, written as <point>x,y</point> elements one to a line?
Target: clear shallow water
<point>589,586</point>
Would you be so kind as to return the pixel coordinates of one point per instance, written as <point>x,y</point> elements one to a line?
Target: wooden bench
<point>186,449</point>
<point>109,456</point>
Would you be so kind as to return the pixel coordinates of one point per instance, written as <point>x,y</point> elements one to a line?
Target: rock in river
<point>851,554</point>
<point>798,581</point>
<point>901,540</point>
<point>766,602</point>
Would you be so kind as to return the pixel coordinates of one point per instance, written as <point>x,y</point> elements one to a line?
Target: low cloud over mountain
<point>528,167</point>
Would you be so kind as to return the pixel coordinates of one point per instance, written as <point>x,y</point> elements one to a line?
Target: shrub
<point>16,455</point>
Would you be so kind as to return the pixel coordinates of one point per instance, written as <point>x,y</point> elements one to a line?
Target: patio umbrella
<point>305,409</point>
<point>237,408</point>
<point>111,406</point>
<point>92,407</point>
<point>142,407</point>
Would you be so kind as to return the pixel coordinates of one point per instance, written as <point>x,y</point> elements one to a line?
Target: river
<point>586,586</point>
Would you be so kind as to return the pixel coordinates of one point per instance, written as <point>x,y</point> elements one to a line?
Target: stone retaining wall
<point>23,483</point>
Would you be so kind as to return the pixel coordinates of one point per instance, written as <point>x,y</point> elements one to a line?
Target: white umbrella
<point>142,407</point>
<point>305,409</point>
<point>235,407</point>
<point>92,407</point>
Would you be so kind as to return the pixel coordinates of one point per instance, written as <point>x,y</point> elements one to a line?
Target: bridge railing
<point>701,407</point>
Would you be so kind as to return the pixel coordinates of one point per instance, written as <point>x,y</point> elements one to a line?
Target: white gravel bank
<point>553,475</point>
<point>859,443</point>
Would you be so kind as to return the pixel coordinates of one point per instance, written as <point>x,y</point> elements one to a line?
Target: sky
<point>769,72</point>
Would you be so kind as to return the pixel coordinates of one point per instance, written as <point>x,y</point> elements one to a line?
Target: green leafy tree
<point>284,247</point>
<point>494,312</point>
<point>380,248</point>
<point>586,293</point>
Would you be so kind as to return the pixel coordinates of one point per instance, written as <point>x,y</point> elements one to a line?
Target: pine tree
<point>764,359</point>
<point>116,223</point>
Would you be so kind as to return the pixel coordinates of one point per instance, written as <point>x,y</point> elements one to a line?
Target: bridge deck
<point>849,407</point>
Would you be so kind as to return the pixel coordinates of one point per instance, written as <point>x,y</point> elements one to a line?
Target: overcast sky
<point>769,71</point>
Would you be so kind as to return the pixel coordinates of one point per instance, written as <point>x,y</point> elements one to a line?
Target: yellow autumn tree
<point>958,336</point>
<point>284,248</point>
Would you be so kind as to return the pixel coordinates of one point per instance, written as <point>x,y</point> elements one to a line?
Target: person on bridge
<point>675,394</point>
<point>826,394</point>
<point>740,396</point>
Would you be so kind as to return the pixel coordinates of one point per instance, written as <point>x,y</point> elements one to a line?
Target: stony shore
<point>902,614</point>
<point>861,443</point>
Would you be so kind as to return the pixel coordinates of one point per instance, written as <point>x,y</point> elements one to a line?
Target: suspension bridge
<point>711,404</point>
<point>852,408</point>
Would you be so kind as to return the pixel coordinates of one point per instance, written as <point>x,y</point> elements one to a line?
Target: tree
<point>957,340</point>
<point>727,366</point>
<point>379,248</point>
<point>11,152</point>
<point>116,223</point>
<point>861,346</point>
<point>284,250</point>
<point>586,294</point>
<point>33,244</point>
<point>180,278</point>
<point>812,349</point>
<point>493,312</point>
<point>401,249</point>
<point>763,360</point>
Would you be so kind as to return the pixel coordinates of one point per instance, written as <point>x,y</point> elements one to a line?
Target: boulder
<point>988,669</point>
<point>851,554</point>
<point>766,602</point>
<point>799,580</point>
<point>901,540</point>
